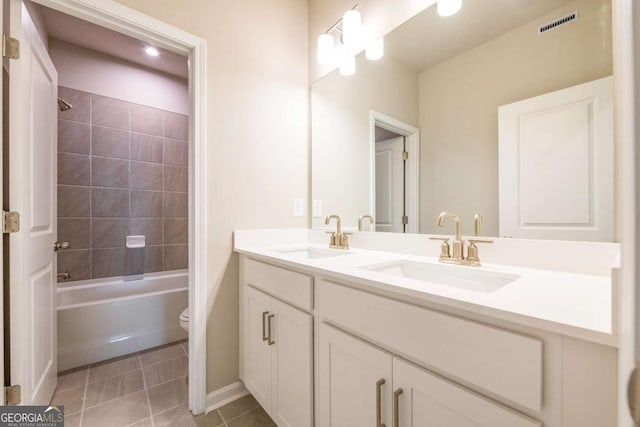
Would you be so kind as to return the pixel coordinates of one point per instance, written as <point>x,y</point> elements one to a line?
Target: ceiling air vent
<point>573,16</point>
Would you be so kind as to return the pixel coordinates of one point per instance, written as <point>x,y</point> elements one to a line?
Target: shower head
<point>64,105</point>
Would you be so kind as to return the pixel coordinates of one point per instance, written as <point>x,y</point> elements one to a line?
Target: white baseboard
<point>224,395</point>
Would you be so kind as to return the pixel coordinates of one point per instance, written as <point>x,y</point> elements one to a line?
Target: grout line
<point>146,392</point>
<point>240,415</point>
<point>84,397</point>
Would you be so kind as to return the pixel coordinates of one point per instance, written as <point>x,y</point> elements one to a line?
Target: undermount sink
<point>314,253</point>
<point>468,278</point>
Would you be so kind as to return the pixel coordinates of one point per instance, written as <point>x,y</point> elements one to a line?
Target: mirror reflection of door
<point>390,181</point>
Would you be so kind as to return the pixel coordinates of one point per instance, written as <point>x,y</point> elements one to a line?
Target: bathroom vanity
<point>365,336</point>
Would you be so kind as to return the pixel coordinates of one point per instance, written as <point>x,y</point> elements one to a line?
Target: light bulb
<point>151,51</point>
<point>375,50</point>
<point>448,7</point>
<point>325,49</point>
<point>351,22</point>
<point>348,66</point>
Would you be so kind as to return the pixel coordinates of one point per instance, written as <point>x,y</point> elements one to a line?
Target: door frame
<point>117,17</point>
<point>412,171</point>
<point>626,86</point>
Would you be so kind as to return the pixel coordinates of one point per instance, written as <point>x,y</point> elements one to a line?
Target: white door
<point>390,185</point>
<point>257,353</point>
<point>33,145</point>
<point>354,376</point>
<point>556,165</point>
<point>423,399</point>
<point>292,361</point>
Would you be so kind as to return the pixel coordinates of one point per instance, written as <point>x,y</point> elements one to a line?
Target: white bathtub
<point>104,318</point>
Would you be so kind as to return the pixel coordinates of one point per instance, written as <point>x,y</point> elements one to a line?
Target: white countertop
<point>568,303</point>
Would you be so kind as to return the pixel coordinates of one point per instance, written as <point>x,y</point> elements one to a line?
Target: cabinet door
<point>350,377</point>
<point>427,400</point>
<point>257,351</point>
<point>292,366</point>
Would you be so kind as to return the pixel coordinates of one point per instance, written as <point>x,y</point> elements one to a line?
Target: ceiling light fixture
<point>375,50</point>
<point>449,7</point>
<point>151,51</point>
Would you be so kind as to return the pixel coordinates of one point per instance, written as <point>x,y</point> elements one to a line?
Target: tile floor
<point>145,389</point>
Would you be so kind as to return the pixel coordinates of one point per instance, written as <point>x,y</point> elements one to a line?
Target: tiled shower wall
<point>122,170</point>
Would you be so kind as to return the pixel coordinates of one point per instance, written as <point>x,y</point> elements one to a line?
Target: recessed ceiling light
<point>151,51</point>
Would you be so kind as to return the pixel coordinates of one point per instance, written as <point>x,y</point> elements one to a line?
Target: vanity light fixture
<point>151,51</point>
<point>348,66</point>
<point>351,25</point>
<point>449,7</point>
<point>330,53</point>
<point>325,49</point>
<point>375,50</point>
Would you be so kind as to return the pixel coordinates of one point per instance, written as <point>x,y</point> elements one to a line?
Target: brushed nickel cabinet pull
<point>271,316</point>
<point>264,326</point>
<point>379,385</point>
<point>396,407</point>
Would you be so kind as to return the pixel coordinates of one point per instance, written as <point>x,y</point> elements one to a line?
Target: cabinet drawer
<point>500,362</point>
<point>286,285</point>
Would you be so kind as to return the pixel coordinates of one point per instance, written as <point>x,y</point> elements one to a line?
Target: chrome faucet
<point>338,240</point>
<point>458,257</point>
<point>362,218</point>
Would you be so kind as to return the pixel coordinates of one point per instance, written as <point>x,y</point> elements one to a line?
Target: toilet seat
<point>184,319</point>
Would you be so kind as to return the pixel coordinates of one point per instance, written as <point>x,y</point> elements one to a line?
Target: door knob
<point>60,245</point>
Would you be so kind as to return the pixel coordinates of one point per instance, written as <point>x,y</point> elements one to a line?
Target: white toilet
<point>184,319</point>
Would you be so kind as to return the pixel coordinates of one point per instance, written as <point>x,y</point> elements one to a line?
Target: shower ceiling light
<point>375,50</point>
<point>151,51</point>
<point>449,7</point>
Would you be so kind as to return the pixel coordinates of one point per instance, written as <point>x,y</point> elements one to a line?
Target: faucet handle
<point>332,238</point>
<point>344,240</point>
<point>445,249</point>
<point>472,250</point>
<point>472,241</point>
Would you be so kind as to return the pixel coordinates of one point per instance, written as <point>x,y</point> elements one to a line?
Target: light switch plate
<point>317,208</point>
<point>298,208</point>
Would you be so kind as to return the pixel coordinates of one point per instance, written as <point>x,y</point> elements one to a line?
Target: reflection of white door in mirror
<point>394,174</point>
<point>390,188</point>
<point>556,164</point>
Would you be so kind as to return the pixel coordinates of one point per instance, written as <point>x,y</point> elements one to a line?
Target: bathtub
<point>104,318</point>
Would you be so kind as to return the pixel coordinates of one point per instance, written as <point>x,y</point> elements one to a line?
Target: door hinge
<point>405,219</point>
<point>405,155</point>
<point>10,47</point>
<point>10,222</point>
<point>12,395</point>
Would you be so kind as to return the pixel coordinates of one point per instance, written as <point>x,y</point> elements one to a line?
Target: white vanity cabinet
<point>277,356</point>
<point>332,352</point>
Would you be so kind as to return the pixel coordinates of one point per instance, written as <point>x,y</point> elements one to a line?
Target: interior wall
<point>378,18</point>
<point>459,141</point>
<point>35,11</point>
<point>257,138</point>
<point>94,72</point>
<point>341,139</point>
